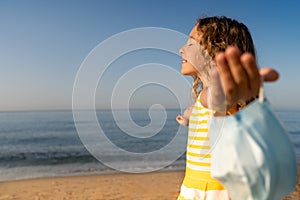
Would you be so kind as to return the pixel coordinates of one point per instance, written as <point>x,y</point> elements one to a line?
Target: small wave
<point>36,159</point>
<point>295,132</point>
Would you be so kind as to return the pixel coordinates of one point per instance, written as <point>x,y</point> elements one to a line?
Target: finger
<point>268,74</point>
<point>250,66</point>
<point>179,118</point>
<point>237,69</point>
<point>228,84</point>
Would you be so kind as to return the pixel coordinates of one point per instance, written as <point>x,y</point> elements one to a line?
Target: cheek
<point>192,55</point>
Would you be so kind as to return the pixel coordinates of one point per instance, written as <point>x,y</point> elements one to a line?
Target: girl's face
<point>187,67</point>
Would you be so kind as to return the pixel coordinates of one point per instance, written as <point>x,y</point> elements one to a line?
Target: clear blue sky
<point>43,43</point>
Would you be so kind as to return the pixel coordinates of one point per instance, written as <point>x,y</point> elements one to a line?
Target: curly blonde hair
<point>217,33</point>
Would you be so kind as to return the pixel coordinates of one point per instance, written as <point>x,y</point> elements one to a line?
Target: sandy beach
<point>157,185</point>
<point>148,186</point>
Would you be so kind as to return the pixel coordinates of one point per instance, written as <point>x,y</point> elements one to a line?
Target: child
<point>240,80</point>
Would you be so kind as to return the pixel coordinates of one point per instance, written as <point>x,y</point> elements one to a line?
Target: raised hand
<point>237,79</point>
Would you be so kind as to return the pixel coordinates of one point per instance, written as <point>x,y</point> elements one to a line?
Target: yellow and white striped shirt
<point>198,157</point>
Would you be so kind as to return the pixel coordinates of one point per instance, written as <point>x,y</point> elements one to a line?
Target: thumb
<point>268,74</point>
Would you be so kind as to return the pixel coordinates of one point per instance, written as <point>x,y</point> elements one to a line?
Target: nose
<point>181,51</point>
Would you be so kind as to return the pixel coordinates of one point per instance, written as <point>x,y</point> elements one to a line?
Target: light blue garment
<point>252,155</point>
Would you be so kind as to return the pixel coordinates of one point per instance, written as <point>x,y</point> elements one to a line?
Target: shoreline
<point>147,186</point>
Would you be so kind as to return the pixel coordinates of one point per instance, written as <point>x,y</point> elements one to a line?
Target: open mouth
<point>184,61</point>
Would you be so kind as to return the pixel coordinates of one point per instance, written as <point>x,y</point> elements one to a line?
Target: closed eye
<point>191,41</point>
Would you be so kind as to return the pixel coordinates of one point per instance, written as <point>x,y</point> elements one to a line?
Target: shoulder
<point>199,109</point>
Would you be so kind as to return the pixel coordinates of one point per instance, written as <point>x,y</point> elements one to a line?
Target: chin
<point>187,73</point>
<point>183,72</point>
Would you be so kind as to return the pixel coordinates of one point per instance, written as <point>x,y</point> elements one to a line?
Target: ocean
<point>46,143</point>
